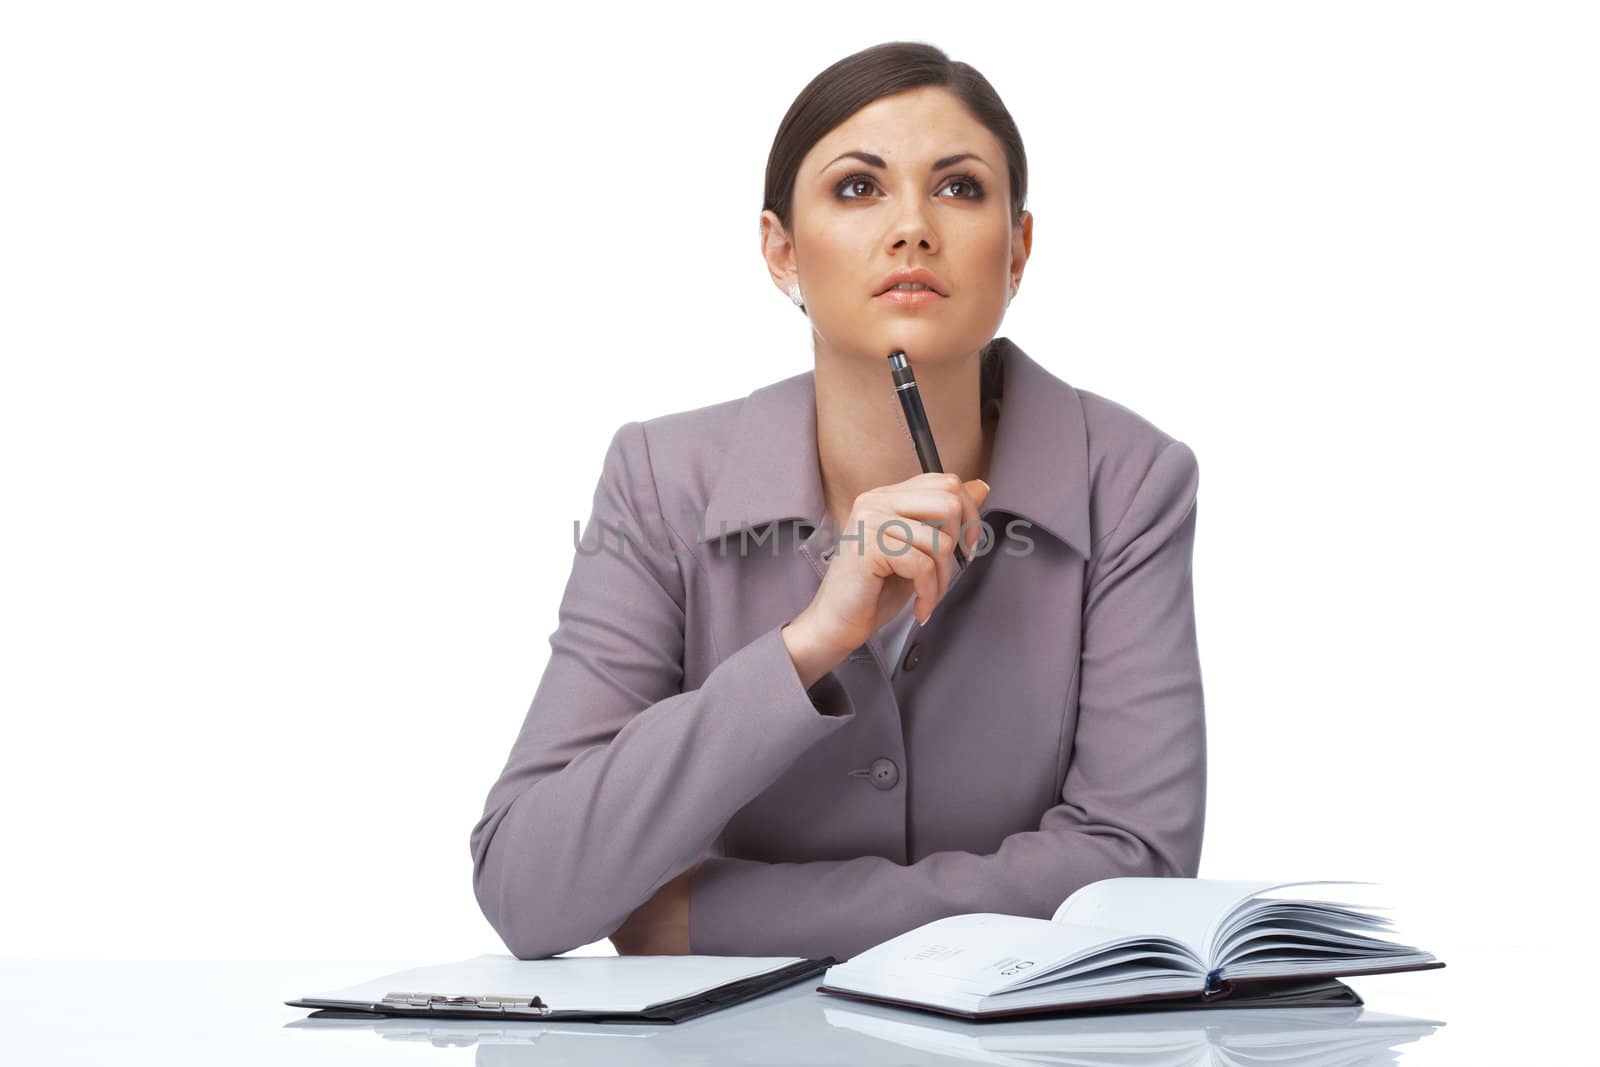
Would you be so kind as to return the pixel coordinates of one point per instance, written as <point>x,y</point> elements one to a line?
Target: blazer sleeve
<point>1132,802</point>
<point>619,780</point>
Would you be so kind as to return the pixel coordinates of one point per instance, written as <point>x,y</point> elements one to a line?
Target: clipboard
<point>612,989</point>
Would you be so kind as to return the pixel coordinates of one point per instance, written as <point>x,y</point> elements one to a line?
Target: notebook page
<point>1187,909</point>
<point>981,953</point>
<point>576,983</point>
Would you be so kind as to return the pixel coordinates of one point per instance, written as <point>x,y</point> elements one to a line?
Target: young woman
<point>778,719</point>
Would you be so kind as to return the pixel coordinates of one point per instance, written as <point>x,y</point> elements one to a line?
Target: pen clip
<point>900,416</point>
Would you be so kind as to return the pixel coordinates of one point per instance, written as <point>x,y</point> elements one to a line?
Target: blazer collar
<point>1039,469</point>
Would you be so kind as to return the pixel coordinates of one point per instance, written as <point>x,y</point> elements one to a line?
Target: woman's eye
<point>851,182</point>
<point>971,183</point>
<point>966,181</point>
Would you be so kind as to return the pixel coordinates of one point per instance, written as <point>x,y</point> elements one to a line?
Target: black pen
<point>905,386</point>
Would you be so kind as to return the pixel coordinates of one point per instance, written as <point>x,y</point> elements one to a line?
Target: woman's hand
<point>908,547</point>
<point>659,926</point>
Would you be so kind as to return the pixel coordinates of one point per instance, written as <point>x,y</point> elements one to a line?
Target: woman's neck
<point>861,440</point>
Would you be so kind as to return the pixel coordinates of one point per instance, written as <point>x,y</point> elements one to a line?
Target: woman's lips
<point>909,298</point>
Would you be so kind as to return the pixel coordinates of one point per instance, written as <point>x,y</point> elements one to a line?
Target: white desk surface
<point>198,1012</point>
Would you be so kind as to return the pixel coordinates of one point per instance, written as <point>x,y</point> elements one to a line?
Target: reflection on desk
<point>799,1025</point>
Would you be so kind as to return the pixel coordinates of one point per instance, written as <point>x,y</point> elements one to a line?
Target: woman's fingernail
<point>984,484</point>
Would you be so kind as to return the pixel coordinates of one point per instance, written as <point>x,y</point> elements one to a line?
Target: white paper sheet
<point>576,983</point>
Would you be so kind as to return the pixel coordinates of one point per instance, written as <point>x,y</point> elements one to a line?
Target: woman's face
<point>855,220</point>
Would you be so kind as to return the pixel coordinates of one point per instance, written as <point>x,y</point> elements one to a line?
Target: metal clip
<point>466,1002</point>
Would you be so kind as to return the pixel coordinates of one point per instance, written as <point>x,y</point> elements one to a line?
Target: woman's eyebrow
<point>877,161</point>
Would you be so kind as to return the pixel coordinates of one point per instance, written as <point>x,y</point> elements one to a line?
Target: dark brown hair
<point>856,81</point>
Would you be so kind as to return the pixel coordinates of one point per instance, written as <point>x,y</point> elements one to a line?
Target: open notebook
<point>1124,941</point>
<point>651,989</point>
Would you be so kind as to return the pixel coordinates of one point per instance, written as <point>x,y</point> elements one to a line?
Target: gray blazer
<point>1043,730</point>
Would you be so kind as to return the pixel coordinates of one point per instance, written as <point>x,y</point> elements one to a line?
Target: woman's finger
<point>969,531</point>
<point>927,540</point>
<point>918,567</point>
<point>942,509</point>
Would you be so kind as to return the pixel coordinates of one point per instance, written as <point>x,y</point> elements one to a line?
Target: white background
<point>317,318</point>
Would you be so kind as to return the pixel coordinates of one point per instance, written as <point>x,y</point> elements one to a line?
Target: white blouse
<point>895,632</point>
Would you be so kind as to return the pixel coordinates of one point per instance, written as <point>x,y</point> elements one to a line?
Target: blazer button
<point>884,773</point>
<point>913,656</point>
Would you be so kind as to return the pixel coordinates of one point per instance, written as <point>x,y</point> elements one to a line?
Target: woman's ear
<point>1021,249</point>
<point>778,250</point>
